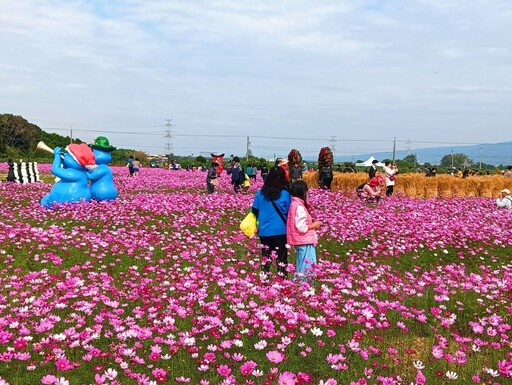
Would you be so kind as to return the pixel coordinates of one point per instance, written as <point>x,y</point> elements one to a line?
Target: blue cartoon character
<point>102,181</point>
<point>70,168</point>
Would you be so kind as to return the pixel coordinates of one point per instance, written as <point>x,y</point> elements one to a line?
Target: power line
<point>104,131</point>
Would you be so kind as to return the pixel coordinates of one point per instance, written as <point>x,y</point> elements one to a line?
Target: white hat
<point>506,191</point>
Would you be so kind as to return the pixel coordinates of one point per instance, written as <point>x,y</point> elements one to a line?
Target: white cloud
<point>302,68</point>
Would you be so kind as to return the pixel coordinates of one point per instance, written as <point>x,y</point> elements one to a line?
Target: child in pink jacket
<point>300,229</point>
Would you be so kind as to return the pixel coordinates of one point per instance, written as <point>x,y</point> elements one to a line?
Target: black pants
<point>389,190</point>
<point>277,244</point>
<point>210,187</point>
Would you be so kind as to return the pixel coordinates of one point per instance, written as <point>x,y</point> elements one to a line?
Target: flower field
<point>160,286</point>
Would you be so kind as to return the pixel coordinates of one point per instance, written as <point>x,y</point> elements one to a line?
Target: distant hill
<point>489,153</point>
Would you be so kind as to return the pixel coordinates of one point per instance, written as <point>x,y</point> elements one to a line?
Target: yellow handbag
<point>248,225</point>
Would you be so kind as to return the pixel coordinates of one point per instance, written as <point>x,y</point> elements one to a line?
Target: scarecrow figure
<point>218,159</point>
<point>70,168</point>
<point>102,180</point>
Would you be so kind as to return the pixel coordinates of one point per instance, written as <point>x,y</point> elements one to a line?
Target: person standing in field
<point>254,172</point>
<point>130,165</point>
<point>372,171</point>
<point>136,167</point>
<point>300,229</point>
<point>212,177</point>
<point>264,172</point>
<point>390,172</point>
<point>270,206</point>
<point>237,174</point>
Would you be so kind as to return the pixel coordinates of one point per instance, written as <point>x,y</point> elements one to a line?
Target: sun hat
<point>102,143</point>
<point>283,161</point>
<point>83,155</point>
<point>374,182</point>
<point>506,191</point>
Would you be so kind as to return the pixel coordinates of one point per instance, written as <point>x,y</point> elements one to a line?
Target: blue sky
<point>352,75</point>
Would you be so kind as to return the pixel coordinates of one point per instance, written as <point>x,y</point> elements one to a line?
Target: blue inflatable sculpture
<point>71,168</point>
<point>102,181</point>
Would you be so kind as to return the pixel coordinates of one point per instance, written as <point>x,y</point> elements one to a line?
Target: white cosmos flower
<point>317,332</point>
<point>260,345</point>
<point>491,372</point>
<point>451,375</point>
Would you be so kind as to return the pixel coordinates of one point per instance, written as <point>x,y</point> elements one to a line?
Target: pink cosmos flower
<point>505,368</point>
<point>274,356</point>
<point>159,374</point>
<point>20,344</point>
<point>48,379</point>
<point>224,370</point>
<point>437,352</point>
<point>247,367</point>
<point>62,364</point>
<point>420,377</point>
<point>286,378</point>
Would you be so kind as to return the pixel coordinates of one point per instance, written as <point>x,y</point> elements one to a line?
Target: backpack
<point>327,172</point>
<point>359,190</point>
<point>242,175</point>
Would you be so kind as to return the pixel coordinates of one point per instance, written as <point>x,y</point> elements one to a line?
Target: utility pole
<point>168,136</point>
<point>71,134</point>
<point>247,151</point>
<point>480,166</point>
<point>394,148</point>
<point>452,158</point>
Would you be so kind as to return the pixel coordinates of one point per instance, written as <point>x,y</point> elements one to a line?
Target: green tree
<point>200,159</point>
<point>16,132</point>
<point>456,160</point>
<point>411,159</point>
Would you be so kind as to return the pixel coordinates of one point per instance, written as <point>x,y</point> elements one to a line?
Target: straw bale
<point>458,187</point>
<point>312,179</point>
<point>419,183</point>
<point>419,186</point>
<point>473,186</point>
<point>354,180</point>
<point>444,185</point>
<point>407,184</point>
<point>486,189</point>
<point>494,184</point>
<point>431,187</point>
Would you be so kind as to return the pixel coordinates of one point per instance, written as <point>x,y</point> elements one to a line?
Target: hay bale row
<point>420,186</point>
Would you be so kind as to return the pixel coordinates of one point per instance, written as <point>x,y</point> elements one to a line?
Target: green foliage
<point>411,159</point>
<point>201,159</point>
<point>456,160</point>
<point>19,138</point>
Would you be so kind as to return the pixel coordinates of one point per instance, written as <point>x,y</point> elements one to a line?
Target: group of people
<point>371,191</point>
<point>284,217</point>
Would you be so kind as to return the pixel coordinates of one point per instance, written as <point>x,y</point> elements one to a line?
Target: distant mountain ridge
<point>489,153</point>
